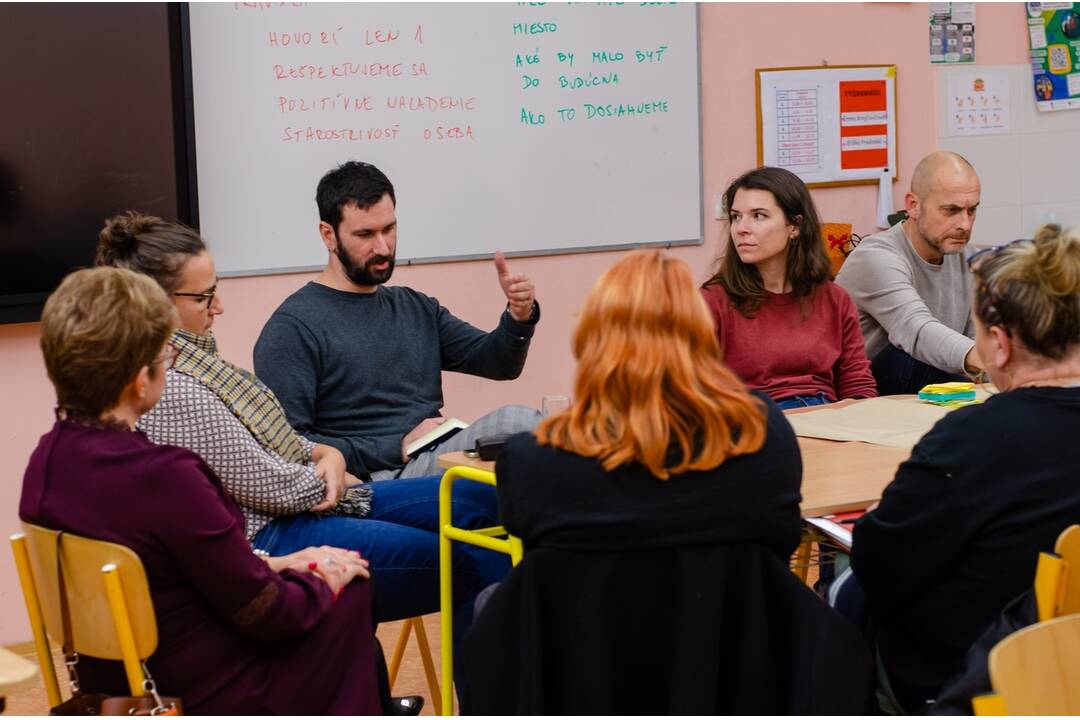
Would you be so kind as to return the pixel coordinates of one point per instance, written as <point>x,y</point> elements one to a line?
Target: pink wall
<point>735,39</point>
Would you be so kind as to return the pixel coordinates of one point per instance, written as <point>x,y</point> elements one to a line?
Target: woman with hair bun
<point>237,634</point>
<point>959,530</point>
<point>293,492</point>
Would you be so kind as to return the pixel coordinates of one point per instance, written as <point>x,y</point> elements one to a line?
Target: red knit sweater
<point>783,354</point>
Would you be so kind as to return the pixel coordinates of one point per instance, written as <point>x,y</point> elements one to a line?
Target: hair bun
<point>1055,265</point>
<point>118,238</point>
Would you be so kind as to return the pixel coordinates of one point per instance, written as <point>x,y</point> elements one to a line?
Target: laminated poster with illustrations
<point>1054,35</point>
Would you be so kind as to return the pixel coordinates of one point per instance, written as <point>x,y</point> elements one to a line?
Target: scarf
<point>245,395</point>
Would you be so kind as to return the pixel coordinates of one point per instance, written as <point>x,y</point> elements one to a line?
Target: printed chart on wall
<point>952,32</point>
<point>828,125</point>
<point>524,127</point>
<point>1054,35</point>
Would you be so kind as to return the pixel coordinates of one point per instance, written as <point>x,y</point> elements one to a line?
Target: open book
<point>427,441</point>
<point>837,527</point>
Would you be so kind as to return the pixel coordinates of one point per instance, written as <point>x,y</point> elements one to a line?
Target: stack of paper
<point>879,421</point>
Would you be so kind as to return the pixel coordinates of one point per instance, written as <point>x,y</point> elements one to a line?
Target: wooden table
<point>837,476</point>
<point>450,459</point>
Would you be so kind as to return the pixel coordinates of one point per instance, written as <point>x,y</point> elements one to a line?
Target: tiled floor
<point>30,700</point>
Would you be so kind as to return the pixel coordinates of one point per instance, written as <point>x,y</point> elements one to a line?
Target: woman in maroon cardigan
<point>783,326</point>
<point>238,634</point>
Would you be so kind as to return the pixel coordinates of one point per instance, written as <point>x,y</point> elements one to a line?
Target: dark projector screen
<point>89,128</point>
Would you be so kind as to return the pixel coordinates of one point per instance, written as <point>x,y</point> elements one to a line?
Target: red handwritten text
<point>442,132</point>
<point>346,69</point>
<point>326,102</point>
<point>428,102</point>
<point>313,134</point>
<point>380,37</point>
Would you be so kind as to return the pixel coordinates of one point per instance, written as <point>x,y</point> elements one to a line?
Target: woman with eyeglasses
<point>958,532</point>
<point>237,634</point>
<point>293,492</point>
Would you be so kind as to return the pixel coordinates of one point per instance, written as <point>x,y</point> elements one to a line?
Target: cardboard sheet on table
<point>879,421</point>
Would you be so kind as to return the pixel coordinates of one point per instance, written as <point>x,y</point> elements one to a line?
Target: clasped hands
<point>336,567</point>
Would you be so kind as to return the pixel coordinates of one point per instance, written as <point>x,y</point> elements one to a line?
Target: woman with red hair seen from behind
<point>658,514</point>
<point>656,418</point>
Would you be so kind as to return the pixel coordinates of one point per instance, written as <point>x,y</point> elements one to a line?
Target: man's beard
<point>363,274</point>
<point>939,243</point>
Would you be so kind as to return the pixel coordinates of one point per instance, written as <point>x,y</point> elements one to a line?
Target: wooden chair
<point>112,615</point>
<point>1057,577</point>
<point>408,627</point>
<point>1057,594</point>
<point>1036,671</point>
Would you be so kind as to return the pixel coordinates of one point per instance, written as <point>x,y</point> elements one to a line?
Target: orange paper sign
<point>864,130</point>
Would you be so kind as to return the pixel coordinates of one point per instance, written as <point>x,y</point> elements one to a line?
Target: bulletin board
<point>831,125</point>
<point>1053,32</point>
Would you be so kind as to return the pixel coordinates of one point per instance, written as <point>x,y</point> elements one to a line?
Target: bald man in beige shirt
<point>912,285</point>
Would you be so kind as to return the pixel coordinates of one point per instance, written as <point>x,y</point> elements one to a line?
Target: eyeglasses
<point>975,258</point>
<point>201,298</point>
<point>167,357</point>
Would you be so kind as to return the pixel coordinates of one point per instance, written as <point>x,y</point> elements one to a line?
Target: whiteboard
<point>523,127</point>
<point>1025,166</point>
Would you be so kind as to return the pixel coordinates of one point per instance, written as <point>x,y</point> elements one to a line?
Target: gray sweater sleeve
<point>881,283</point>
<point>497,355</point>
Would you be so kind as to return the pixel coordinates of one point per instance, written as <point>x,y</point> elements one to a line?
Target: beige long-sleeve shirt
<point>921,308</point>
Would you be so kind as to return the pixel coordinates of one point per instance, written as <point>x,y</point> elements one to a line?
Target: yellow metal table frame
<point>494,538</point>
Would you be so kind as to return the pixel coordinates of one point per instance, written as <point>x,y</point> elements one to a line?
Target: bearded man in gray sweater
<point>912,285</point>
<point>358,365</point>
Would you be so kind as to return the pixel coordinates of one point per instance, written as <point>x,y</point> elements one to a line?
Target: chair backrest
<point>1068,548</point>
<point>1035,670</point>
<point>93,629</point>
<point>1057,577</point>
<point>681,630</point>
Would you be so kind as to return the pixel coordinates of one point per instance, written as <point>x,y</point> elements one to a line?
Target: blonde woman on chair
<point>238,634</point>
<point>958,531</point>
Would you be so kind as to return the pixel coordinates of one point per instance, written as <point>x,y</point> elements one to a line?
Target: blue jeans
<point>798,401</point>
<point>400,539</point>
<point>897,373</point>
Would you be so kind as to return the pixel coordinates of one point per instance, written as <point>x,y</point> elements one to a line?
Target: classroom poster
<point>828,125</point>
<point>1054,37</point>
<point>978,103</point>
<point>952,32</point>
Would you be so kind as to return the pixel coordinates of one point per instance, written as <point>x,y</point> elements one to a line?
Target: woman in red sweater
<point>783,326</point>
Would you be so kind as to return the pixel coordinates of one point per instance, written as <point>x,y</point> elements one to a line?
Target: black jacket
<point>697,630</point>
<point>958,532</point>
<point>639,595</point>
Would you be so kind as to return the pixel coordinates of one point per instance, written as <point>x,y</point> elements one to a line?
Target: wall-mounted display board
<point>833,125</point>
<point>525,127</point>
<point>1054,38</point>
